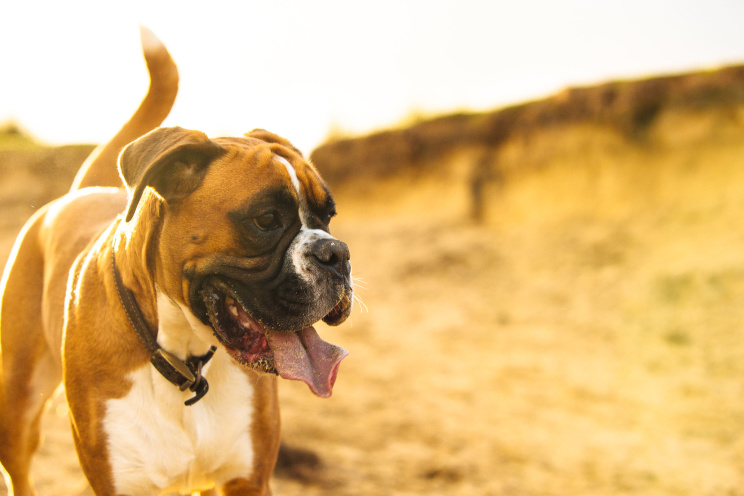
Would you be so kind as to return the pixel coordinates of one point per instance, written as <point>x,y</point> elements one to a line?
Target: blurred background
<point>543,203</point>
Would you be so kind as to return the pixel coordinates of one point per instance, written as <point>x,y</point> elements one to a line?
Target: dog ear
<point>270,137</point>
<point>172,161</point>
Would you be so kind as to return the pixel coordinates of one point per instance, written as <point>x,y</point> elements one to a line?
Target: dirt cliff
<point>628,108</point>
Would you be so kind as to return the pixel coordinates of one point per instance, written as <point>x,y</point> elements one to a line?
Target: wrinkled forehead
<point>255,165</point>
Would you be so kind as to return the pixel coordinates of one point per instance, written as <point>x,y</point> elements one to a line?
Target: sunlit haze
<point>73,71</point>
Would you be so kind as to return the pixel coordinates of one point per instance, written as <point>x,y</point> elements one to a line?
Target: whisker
<point>362,306</point>
<point>359,282</point>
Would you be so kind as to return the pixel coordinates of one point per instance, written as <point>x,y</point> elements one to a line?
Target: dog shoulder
<point>74,220</point>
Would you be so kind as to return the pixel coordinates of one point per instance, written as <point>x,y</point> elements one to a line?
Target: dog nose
<point>333,255</point>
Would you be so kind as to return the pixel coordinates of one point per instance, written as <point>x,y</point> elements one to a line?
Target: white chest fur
<point>159,445</point>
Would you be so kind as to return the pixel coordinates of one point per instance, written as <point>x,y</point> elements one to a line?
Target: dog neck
<point>135,246</point>
<point>176,352</point>
<point>179,331</point>
<point>185,373</point>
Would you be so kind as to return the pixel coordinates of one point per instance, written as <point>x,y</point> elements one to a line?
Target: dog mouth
<point>295,355</point>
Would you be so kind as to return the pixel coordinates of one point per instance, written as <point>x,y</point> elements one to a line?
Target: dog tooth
<point>233,310</point>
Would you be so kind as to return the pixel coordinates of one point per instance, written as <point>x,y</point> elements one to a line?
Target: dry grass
<point>586,339</point>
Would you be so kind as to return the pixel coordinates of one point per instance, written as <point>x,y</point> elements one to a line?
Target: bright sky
<point>72,70</point>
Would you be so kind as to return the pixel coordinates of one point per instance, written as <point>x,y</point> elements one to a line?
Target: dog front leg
<point>246,487</point>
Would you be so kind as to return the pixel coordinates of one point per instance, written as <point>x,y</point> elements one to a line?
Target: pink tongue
<point>303,356</point>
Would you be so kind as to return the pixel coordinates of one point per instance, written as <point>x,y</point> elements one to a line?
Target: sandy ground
<point>585,340</point>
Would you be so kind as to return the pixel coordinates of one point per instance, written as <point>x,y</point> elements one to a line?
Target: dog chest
<point>157,444</point>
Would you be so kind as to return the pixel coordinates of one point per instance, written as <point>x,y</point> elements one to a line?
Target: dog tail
<point>100,168</point>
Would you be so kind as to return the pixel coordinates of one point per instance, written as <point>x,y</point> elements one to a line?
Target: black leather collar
<point>185,375</point>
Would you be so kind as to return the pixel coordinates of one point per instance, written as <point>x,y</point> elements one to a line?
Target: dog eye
<point>327,218</point>
<point>267,221</point>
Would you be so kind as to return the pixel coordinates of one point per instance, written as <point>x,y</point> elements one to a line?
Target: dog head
<point>244,244</point>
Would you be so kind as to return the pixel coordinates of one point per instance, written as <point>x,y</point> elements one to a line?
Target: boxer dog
<point>168,305</point>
